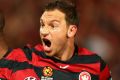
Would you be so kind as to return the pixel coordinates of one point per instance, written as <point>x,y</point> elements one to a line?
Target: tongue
<point>46,48</point>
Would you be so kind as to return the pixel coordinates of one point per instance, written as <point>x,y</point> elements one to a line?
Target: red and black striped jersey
<point>32,64</point>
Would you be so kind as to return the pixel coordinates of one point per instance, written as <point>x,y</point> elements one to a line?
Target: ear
<point>72,30</point>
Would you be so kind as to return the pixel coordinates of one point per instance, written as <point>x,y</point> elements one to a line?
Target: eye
<point>42,25</point>
<point>53,25</point>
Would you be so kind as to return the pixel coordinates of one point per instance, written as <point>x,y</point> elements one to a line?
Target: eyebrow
<point>41,21</point>
<point>55,20</point>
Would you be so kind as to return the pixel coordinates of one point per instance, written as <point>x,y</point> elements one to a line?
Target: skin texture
<point>3,46</point>
<point>54,28</point>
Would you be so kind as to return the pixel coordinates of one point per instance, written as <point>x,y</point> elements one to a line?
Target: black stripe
<point>38,71</point>
<point>76,59</point>
<point>91,59</point>
<point>8,51</point>
<point>14,65</point>
<point>85,59</point>
<point>39,53</point>
<point>57,74</point>
<point>64,75</point>
<point>102,65</point>
<point>60,75</point>
<point>6,63</point>
<point>28,52</point>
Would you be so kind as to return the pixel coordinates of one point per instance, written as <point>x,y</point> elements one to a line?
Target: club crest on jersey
<point>47,71</point>
<point>84,76</point>
<point>30,78</point>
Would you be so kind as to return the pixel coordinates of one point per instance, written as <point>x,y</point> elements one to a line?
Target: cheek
<point>59,31</point>
<point>59,37</point>
<point>59,34</point>
<point>56,30</point>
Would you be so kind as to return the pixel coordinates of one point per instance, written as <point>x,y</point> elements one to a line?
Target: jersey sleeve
<point>8,62</point>
<point>2,77</point>
<point>4,74</point>
<point>5,69</point>
<point>104,71</point>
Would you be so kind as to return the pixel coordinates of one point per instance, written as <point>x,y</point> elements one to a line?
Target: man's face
<point>53,32</point>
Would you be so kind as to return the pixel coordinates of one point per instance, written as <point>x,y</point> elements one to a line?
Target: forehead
<point>53,15</point>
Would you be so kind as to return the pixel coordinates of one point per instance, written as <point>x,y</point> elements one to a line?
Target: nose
<point>44,31</point>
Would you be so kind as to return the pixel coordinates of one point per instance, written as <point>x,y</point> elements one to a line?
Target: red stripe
<point>39,47</point>
<point>105,74</point>
<point>84,51</point>
<point>17,54</point>
<point>7,72</point>
<point>93,68</point>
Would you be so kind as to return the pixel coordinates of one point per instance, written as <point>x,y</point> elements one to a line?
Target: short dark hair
<point>67,8</point>
<point>2,21</point>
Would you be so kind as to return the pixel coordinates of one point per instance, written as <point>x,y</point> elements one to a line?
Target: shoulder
<point>84,51</point>
<point>88,53</point>
<point>23,53</point>
<point>92,58</point>
<point>87,56</point>
<point>18,54</point>
<point>98,63</point>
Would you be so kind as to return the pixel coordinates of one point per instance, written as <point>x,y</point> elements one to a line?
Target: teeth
<point>47,42</point>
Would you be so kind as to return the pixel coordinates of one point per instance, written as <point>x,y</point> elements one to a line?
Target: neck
<point>3,46</point>
<point>68,51</point>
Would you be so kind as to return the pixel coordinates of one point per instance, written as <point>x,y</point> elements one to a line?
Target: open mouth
<point>47,42</point>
